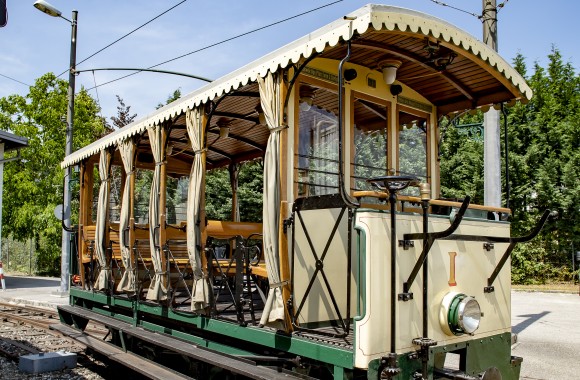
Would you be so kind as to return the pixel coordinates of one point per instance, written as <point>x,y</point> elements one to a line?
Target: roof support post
<point>491,156</point>
<point>284,206</point>
<point>234,170</point>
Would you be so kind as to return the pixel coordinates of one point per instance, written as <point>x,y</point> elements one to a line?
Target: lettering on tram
<point>351,265</point>
<point>452,256</point>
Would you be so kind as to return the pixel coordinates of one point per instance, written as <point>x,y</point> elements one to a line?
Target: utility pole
<point>491,155</point>
<point>45,7</point>
<point>66,235</point>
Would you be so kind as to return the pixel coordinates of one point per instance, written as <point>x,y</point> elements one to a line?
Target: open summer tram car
<point>357,270</point>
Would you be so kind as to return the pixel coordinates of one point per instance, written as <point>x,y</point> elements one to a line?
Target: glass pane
<point>412,148</point>
<point>370,143</point>
<point>317,155</point>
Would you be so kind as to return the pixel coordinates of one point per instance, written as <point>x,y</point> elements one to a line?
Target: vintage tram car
<point>357,270</point>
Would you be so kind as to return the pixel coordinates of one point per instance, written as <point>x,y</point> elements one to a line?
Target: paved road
<point>548,328</point>
<point>37,291</point>
<point>547,324</point>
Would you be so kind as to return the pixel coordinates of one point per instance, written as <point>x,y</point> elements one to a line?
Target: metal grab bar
<point>512,243</point>
<point>448,235</point>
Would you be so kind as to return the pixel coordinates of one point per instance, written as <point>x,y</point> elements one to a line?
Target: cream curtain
<point>200,292</point>
<point>270,101</point>
<point>128,281</point>
<point>157,289</point>
<point>104,277</point>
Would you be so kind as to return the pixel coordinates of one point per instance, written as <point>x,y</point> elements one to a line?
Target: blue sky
<point>33,43</point>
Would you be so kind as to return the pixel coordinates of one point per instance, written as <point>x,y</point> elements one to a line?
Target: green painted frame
<point>335,356</point>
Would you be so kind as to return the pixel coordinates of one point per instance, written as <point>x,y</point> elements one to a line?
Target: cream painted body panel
<point>473,266</point>
<point>317,305</point>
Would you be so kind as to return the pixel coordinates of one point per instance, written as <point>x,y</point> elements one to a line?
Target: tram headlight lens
<point>469,314</point>
<point>463,314</point>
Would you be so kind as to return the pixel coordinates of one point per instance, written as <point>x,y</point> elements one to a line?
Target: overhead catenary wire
<point>15,80</point>
<point>501,5</point>
<point>127,34</point>
<point>483,16</point>
<point>457,9</point>
<point>98,99</point>
<point>224,41</point>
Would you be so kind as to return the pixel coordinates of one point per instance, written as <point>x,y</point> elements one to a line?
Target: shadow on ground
<point>30,282</point>
<point>530,320</point>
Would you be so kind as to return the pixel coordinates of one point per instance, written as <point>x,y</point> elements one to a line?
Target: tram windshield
<point>370,142</point>
<point>413,148</point>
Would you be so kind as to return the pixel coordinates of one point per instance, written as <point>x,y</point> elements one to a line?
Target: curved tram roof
<point>477,77</point>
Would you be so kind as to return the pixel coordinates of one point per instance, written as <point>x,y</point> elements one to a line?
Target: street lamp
<point>52,11</point>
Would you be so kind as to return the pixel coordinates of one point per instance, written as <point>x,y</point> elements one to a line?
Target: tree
<point>250,191</point>
<point>33,186</point>
<point>124,116</point>
<point>461,165</point>
<point>544,164</point>
<point>250,188</point>
<point>171,98</point>
<point>174,198</point>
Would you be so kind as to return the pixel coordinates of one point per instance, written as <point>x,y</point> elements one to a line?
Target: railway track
<point>25,330</point>
<point>41,318</point>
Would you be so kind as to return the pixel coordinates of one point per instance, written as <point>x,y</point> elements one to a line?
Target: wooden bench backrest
<point>88,236</point>
<point>115,239</point>
<point>222,230</point>
<point>142,240</point>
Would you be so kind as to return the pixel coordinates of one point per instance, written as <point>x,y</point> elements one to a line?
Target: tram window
<point>370,143</point>
<point>413,148</point>
<point>317,153</point>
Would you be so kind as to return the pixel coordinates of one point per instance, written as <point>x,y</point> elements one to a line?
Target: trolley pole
<point>491,156</point>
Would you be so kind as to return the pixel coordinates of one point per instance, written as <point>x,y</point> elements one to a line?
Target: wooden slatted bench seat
<point>176,243</point>
<point>115,252</point>
<point>222,230</point>
<point>115,241</point>
<point>142,252</point>
<point>258,270</point>
<point>88,236</point>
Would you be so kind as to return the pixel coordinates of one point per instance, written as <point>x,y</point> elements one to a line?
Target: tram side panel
<point>454,267</point>
<point>320,268</point>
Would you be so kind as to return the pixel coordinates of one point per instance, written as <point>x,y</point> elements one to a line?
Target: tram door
<point>320,228</point>
<point>324,262</point>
